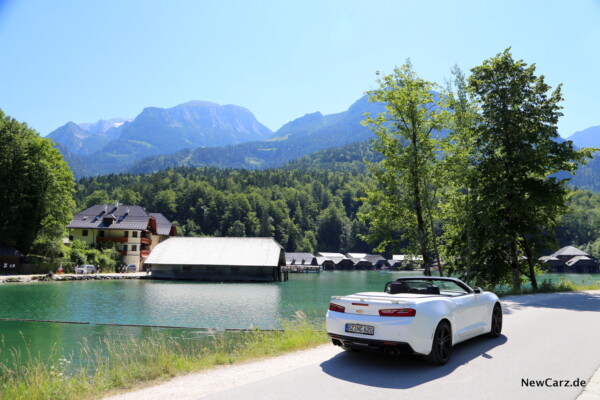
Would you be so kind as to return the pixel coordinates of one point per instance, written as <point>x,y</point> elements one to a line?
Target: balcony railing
<point>118,239</point>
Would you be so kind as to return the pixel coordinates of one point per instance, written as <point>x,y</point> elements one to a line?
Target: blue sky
<point>86,60</point>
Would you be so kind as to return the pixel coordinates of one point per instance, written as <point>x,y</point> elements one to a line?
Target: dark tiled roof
<point>9,251</point>
<point>163,225</point>
<point>123,216</point>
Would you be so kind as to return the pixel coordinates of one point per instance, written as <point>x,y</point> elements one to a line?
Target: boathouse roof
<point>299,258</point>
<point>577,259</point>
<point>218,251</point>
<point>569,251</point>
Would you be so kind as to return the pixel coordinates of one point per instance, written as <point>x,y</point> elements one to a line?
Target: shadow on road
<point>575,301</point>
<point>403,372</point>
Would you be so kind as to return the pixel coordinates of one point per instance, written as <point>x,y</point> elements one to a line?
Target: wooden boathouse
<point>217,259</point>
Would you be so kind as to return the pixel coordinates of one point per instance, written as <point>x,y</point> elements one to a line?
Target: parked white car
<point>85,269</point>
<point>418,315</point>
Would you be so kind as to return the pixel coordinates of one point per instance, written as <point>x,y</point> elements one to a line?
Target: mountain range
<point>200,133</point>
<point>87,138</point>
<point>113,146</point>
<point>589,137</point>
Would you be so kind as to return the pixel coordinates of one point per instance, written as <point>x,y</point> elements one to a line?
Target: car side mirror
<point>477,290</point>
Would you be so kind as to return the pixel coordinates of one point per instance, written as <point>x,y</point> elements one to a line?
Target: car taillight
<point>337,307</point>
<point>398,312</point>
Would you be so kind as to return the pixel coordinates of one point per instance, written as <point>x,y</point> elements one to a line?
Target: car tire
<point>496,322</point>
<point>441,348</point>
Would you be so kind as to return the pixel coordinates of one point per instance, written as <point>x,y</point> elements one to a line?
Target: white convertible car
<point>418,315</point>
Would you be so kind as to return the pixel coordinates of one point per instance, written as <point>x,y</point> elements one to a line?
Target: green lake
<point>216,306</point>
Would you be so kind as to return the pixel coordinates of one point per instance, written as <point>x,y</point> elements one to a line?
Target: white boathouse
<point>217,259</point>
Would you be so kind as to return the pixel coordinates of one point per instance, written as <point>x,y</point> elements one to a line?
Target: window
<point>134,247</point>
<point>101,233</point>
<point>134,234</point>
<point>84,232</point>
<point>126,234</point>
<point>124,247</point>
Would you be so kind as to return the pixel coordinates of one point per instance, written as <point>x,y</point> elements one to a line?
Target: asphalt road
<point>549,337</point>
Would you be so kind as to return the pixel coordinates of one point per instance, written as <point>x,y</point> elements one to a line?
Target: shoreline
<point>72,277</point>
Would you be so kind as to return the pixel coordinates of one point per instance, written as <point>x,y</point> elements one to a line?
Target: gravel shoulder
<point>200,384</point>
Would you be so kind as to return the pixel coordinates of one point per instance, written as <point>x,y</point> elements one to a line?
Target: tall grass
<point>120,364</point>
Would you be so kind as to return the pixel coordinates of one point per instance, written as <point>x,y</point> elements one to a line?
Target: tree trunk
<point>514,263</point>
<point>435,247</point>
<point>534,284</point>
<point>530,263</point>
<point>421,228</point>
<point>469,236</point>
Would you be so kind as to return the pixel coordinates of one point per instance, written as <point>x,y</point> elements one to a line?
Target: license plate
<point>362,329</point>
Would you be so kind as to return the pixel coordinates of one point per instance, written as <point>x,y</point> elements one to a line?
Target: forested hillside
<point>303,210</point>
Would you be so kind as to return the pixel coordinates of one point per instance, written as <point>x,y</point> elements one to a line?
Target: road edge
<point>592,389</point>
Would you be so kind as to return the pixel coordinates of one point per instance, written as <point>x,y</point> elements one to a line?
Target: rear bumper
<point>416,332</point>
<point>371,344</point>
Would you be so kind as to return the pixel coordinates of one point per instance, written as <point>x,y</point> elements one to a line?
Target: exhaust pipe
<point>336,342</point>
<point>392,351</point>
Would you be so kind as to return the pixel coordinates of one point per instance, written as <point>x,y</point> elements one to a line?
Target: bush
<point>547,286</point>
<point>565,285</point>
<point>78,257</point>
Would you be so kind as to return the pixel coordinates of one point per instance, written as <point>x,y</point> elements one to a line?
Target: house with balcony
<point>134,231</point>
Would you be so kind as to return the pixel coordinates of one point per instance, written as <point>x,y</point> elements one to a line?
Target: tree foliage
<point>458,175</point>
<point>517,155</point>
<point>492,188</point>
<point>36,188</point>
<point>401,201</point>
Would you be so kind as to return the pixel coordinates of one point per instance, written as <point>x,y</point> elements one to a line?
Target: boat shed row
<point>344,262</point>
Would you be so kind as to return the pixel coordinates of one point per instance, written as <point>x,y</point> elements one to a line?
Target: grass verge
<point>547,286</point>
<point>122,364</point>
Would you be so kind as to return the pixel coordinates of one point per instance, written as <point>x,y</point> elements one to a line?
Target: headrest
<point>433,290</point>
<point>398,287</point>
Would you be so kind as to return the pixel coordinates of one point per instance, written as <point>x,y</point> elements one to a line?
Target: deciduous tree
<point>36,187</point>
<point>518,151</point>
<point>401,200</point>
